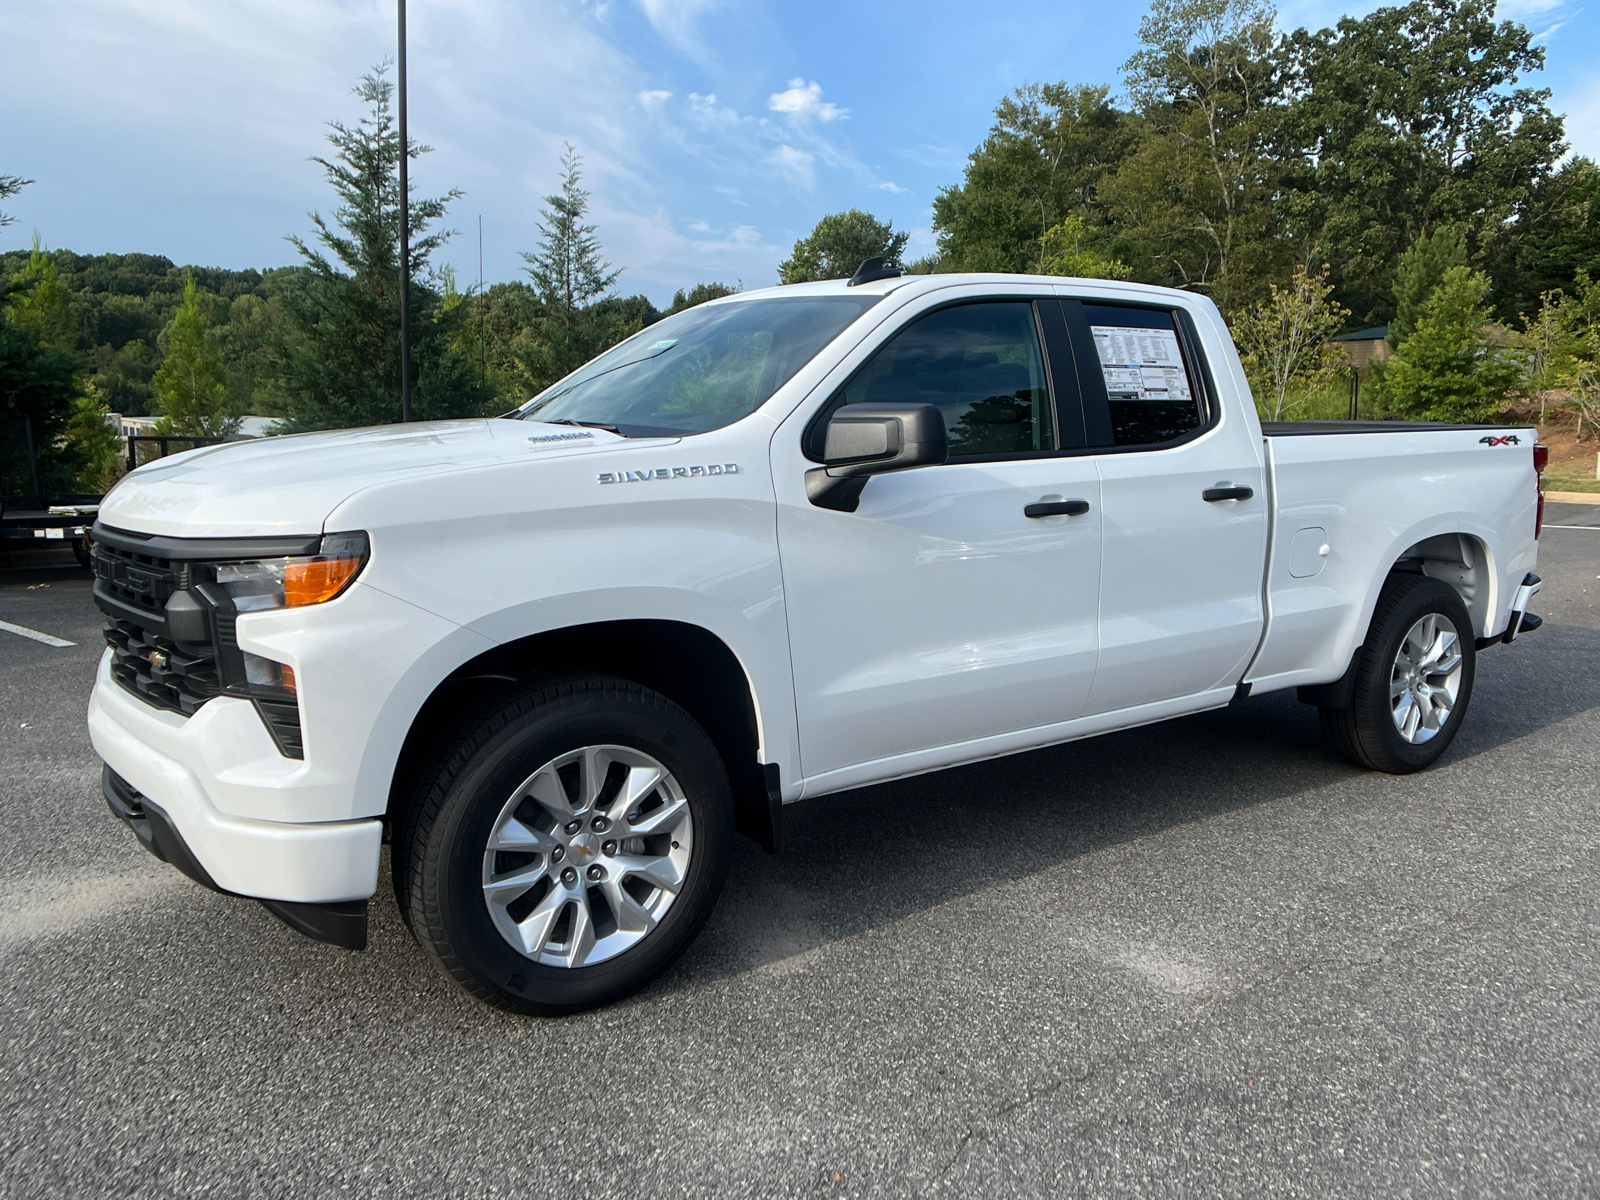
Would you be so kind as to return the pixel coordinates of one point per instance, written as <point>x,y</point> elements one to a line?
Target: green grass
<point>1570,477</point>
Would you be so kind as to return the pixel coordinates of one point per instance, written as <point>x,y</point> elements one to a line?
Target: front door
<point>938,613</point>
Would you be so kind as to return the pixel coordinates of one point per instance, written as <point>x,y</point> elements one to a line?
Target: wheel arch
<point>1465,562</point>
<point>1458,558</point>
<point>687,663</point>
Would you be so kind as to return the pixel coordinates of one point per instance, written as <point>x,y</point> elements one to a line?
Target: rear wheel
<point>1413,681</point>
<point>569,848</point>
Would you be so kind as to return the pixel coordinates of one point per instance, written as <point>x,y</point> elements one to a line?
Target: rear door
<point>1181,577</point>
<point>938,613</point>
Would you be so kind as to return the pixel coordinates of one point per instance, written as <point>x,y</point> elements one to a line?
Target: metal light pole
<point>405,233</point>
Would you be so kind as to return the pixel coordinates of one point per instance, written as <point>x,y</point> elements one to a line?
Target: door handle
<point>1057,508</point>
<point>1212,495</point>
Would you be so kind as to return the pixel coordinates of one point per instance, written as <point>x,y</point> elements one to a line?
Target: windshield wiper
<point>586,425</point>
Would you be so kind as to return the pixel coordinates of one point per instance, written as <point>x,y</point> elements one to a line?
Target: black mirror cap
<point>872,439</point>
<point>873,269</point>
<point>869,439</point>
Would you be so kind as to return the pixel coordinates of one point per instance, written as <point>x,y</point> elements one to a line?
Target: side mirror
<point>871,439</point>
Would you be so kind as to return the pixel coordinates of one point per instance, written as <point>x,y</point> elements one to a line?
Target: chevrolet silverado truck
<point>784,543</point>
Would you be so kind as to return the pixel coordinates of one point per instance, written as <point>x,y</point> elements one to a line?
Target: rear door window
<point>1151,388</point>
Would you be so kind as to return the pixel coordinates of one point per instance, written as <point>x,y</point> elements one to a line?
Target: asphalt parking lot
<point>1202,958</point>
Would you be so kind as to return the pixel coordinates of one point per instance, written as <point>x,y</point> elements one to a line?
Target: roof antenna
<point>873,269</point>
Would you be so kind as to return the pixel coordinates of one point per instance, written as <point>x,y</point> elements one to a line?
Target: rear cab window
<point>1138,372</point>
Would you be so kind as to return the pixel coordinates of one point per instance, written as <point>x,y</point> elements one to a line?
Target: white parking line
<point>46,638</point>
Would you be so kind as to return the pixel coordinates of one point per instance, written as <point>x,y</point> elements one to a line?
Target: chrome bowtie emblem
<point>159,659</point>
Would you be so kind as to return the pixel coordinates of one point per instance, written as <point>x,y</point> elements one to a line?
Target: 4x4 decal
<point>1510,439</point>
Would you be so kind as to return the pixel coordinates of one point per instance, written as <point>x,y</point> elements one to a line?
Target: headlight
<point>292,582</point>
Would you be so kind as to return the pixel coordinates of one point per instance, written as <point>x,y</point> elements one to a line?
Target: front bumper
<point>341,924</point>
<point>164,757</point>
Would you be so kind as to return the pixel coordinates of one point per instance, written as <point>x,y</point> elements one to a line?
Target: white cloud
<point>654,98</point>
<point>798,167</point>
<point>804,100</point>
<point>674,20</point>
<point>890,186</point>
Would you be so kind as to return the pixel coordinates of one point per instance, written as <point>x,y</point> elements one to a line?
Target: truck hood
<point>289,485</point>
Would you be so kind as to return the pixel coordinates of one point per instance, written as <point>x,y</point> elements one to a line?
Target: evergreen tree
<point>1421,270</point>
<point>38,384</point>
<point>191,386</point>
<point>1448,369</point>
<point>94,443</point>
<point>569,276</point>
<point>338,362</point>
<point>839,244</point>
<point>10,185</point>
<point>40,302</point>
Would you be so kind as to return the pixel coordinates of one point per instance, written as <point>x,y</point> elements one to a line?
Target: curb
<point>1573,497</point>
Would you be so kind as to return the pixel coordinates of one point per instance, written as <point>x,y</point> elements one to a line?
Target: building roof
<point>1376,334</point>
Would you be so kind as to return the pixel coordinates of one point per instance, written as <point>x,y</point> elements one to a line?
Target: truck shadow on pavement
<point>865,858</point>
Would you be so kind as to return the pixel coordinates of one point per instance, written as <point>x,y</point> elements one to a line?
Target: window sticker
<point>1141,364</point>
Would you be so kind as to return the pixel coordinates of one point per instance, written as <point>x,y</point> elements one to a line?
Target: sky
<point>713,133</point>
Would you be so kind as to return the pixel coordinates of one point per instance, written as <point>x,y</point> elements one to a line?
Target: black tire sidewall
<point>453,870</point>
<point>1419,596</point>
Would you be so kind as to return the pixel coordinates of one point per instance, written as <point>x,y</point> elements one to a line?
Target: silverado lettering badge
<point>668,473</point>
<point>1510,439</point>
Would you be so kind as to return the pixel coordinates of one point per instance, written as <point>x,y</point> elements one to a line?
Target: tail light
<point>1541,459</point>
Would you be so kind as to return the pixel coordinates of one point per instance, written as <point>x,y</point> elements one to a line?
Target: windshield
<point>699,370</point>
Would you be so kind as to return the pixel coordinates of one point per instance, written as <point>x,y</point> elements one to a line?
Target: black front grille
<point>132,589</point>
<point>141,581</point>
<point>158,670</point>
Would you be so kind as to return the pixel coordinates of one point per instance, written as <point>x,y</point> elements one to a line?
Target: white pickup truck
<point>782,544</point>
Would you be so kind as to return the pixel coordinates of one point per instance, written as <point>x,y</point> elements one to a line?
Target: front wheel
<point>570,847</point>
<point>1413,681</point>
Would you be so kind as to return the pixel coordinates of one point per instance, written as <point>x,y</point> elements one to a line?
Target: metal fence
<point>162,446</point>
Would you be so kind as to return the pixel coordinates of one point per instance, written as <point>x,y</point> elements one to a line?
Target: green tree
<point>10,185</point>
<point>1203,190</point>
<point>839,244</point>
<point>191,386</point>
<point>1044,160</point>
<point>337,361</point>
<point>1557,239</point>
<point>1577,371</point>
<point>699,294</point>
<point>1408,119</point>
<point>39,303</point>
<point>1449,369</point>
<point>1065,253</point>
<point>1283,342</point>
<point>38,385</point>
<point>1421,270</point>
<point>569,276</point>
<point>94,443</point>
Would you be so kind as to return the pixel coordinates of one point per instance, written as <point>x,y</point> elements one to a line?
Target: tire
<point>80,551</point>
<point>1373,731</point>
<point>525,774</point>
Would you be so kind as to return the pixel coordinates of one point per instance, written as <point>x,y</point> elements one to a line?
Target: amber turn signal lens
<point>316,580</point>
